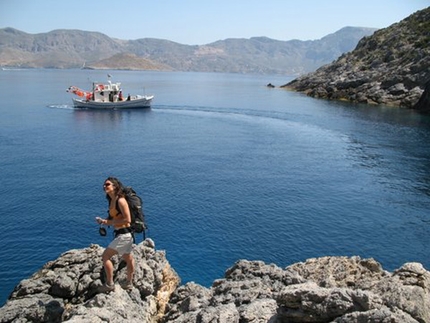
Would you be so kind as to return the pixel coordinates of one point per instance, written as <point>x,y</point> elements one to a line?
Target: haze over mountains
<point>262,55</point>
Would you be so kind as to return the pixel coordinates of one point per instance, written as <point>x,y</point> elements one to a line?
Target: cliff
<point>328,289</point>
<point>391,67</point>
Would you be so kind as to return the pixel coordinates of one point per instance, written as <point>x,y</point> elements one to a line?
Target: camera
<point>102,231</point>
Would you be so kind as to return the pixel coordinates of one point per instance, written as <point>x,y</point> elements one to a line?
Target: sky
<point>200,22</point>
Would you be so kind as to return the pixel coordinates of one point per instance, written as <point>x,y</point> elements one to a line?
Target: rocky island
<point>391,67</point>
<point>328,289</point>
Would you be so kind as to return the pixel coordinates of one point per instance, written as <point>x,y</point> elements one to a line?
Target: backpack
<point>135,206</point>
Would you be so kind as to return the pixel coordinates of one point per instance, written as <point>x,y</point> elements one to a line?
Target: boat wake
<point>228,112</point>
<point>280,120</point>
<point>61,106</point>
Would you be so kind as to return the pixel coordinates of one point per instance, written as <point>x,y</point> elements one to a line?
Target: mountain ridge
<point>64,48</point>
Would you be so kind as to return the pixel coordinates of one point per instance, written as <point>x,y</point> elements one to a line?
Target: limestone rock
<point>327,289</point>
<point>67,289</point>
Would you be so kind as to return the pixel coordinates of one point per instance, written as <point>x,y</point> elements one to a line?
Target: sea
<point>227,167</point>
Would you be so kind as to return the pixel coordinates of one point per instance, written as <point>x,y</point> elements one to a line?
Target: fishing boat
<point>108,96</point>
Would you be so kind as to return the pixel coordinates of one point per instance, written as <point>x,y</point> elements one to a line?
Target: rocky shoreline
<point>391,68</point>
<point>327,289</point>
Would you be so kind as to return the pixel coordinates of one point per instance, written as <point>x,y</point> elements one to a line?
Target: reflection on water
<point>109,117</point>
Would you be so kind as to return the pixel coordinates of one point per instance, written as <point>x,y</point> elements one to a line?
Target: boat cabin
<point>110,92</point>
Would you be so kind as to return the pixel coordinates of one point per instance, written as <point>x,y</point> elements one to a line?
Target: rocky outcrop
<point>328,289</point>
<point>391,67</point>
<point>67,289</point>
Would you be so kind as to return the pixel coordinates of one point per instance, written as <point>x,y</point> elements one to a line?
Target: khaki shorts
<point>122,244</point>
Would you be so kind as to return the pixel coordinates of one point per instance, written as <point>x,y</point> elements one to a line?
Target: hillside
<point>391,67</point>
<point>76,48</point>
<point>128,62</point>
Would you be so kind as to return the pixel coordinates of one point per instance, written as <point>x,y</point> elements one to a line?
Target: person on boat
<point>120,96</point>
<point>88,96</point>
<point>120,218</point>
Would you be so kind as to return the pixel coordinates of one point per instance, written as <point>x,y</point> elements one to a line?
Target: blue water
<point>228,169</point>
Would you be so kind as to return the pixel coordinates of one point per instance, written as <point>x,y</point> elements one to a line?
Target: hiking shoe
<point>127,286</point>
<point>105,288</point>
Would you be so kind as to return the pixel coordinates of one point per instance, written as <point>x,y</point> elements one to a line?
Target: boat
<point>108,96</point>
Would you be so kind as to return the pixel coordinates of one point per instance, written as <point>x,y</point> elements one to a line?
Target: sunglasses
<point>106,185</point>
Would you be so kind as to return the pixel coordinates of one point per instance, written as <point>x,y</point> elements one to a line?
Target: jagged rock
<point>390,67</point>
<point>310,303</point>
<point>67,289</point>
<point>326,289</point>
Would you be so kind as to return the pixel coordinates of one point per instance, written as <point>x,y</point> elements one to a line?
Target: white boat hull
<point>136,102</point>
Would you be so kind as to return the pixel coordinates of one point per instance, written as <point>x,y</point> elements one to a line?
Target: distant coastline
<point>258,55</point>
